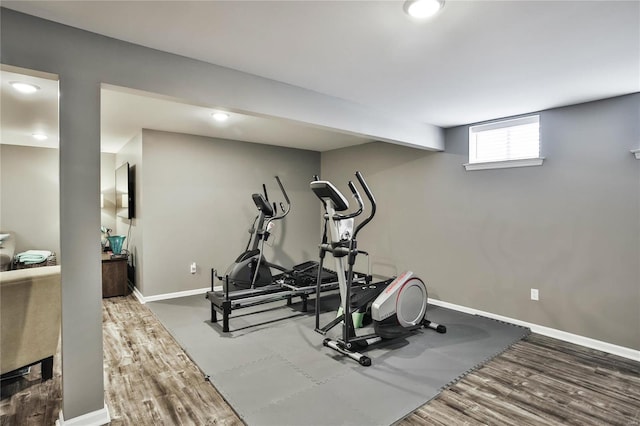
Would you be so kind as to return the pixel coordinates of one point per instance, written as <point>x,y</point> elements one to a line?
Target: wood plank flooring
<point>149,380</point>
<point>541,381</point>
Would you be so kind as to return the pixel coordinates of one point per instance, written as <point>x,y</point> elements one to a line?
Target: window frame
<point>502,163</point>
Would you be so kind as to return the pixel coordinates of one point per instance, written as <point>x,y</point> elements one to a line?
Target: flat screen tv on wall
<point>125,191</point>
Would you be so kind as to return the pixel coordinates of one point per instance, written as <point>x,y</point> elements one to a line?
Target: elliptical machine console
<point>398,306</point>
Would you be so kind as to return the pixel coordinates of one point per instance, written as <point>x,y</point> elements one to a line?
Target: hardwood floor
<point>149,380</point>
<point>27,402</point>
<point>541,381</point>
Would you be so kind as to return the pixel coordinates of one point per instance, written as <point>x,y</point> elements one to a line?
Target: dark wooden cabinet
<point>114,276</point>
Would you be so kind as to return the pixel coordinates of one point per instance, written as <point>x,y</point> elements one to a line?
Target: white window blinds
<point>514,139</point>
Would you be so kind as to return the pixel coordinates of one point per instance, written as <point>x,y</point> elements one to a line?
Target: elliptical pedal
<point>434,326</point>
<point>363,360</point>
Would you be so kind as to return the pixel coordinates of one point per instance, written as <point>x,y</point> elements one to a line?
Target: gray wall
<point>30,194</point>
<point>483,239</point>
<point>197,206</point>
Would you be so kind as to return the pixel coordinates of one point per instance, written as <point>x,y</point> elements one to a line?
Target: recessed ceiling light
<point>423,8</point>
<point>220,116</point>
<point>40,136</point>
<point>24,87</point>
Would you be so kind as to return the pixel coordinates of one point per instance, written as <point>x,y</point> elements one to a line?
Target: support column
<point>82,361</point>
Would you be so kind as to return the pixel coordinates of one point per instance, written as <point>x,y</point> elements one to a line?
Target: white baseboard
<point>545,331</point>
<point>144,299</point>
<point>550,332</point>
<point>138,295</point>
<point>94,418</point>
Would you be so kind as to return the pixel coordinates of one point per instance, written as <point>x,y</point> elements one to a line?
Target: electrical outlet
<point>194,268</point>
<point>535,294</point>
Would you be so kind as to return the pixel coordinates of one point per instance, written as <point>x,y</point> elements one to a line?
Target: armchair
<point>30,311</point>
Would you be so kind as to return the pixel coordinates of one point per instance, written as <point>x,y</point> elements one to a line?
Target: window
<point>506,143</point>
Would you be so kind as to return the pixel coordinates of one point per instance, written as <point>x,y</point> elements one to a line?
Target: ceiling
<point>476,60</point>
<point>26,114</point>
<point>125,112</point>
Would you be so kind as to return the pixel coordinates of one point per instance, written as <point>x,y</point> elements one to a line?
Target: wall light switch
<point>194,268</point>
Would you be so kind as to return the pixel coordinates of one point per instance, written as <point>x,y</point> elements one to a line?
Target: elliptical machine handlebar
<point>285,211</point>
<point>356,195</point>
<point>372,200</point>
<point>358,198</point>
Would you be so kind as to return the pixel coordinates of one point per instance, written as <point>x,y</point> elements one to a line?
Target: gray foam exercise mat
<point>273,369</point>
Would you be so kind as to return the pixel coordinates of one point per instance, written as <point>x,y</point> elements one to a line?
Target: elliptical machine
<point>398,306</point>
<point>251,269</point>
